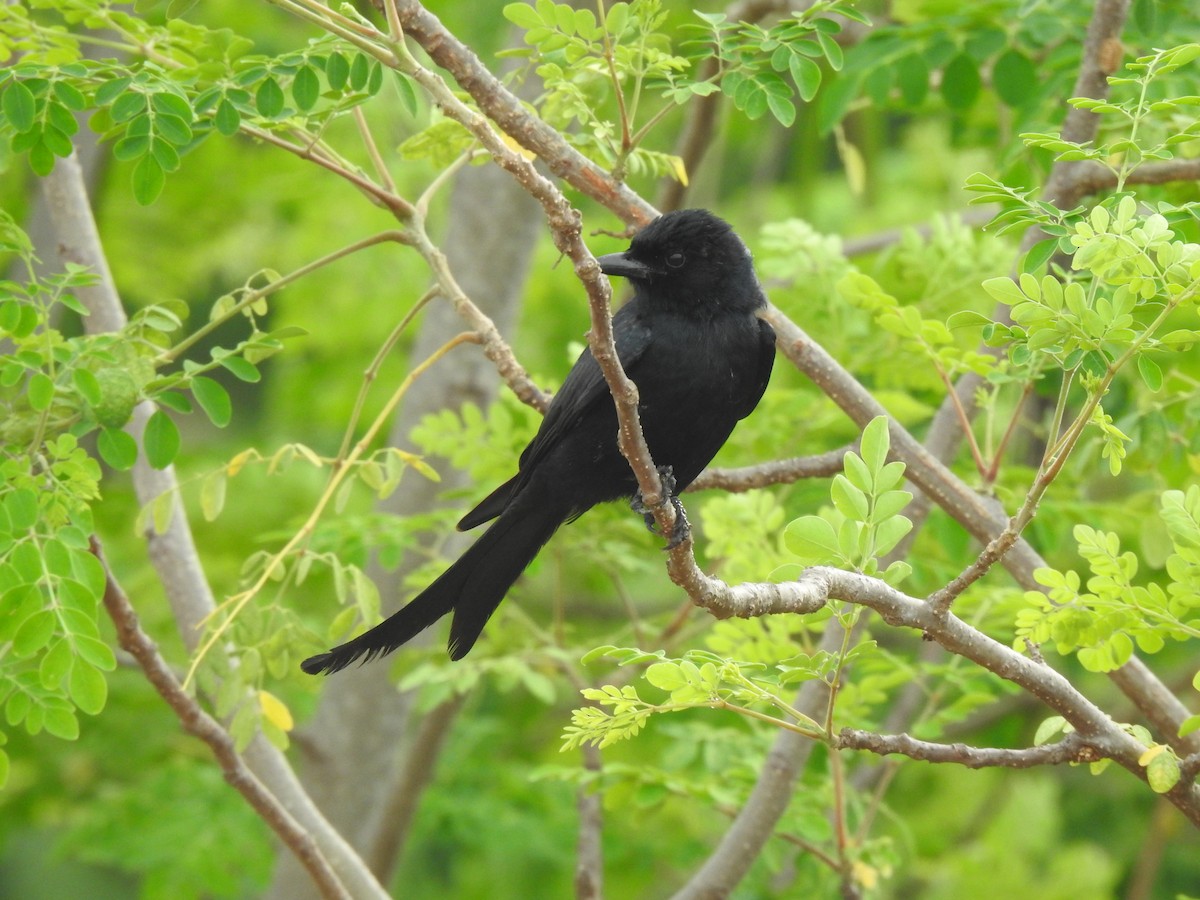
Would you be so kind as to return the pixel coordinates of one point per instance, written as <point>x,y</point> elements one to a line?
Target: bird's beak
<point>620,264</point>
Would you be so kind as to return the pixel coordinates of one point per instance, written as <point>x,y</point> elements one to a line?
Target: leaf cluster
<point>753,58</point>
<point>197,82</point>
<point>865,522</point>
<point>1118,609</point>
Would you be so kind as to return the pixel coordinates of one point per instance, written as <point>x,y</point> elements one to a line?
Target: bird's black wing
<point>766,361</point>
<point>583,387</point>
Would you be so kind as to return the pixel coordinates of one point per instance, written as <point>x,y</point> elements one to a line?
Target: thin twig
<point>252,297</point>
<point>1071,749</point>
<point>780,471</point>
<point>368,139</point>
<point>233,606</point>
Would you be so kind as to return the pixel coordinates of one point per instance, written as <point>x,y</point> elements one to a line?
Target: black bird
<point>692,343</point>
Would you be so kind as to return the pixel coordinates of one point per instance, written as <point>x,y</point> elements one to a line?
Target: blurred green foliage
<point>902,114</point>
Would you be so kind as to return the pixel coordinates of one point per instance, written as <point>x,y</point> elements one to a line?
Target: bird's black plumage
<point>692,343</point>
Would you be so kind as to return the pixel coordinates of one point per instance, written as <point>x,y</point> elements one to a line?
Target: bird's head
<point>689,259</point>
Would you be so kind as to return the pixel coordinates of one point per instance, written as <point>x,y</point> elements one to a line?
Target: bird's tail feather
<point>472,588</point>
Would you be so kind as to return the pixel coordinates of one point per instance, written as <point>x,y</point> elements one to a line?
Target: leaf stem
<point>237,602</point>
<point>170,356</point>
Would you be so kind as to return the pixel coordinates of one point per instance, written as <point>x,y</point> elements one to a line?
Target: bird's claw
<point>682,529</point>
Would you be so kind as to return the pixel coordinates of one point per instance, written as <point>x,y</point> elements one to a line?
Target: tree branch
<point>755,822</point>
<point>589,856</point>
<point>199,723</point>
<point>1072,748</point>
<point>514,118</point>
<point>173,551</point>
<point>1064,187</point>
<point>780,471</point>
<point>1153,699</point>
<point>566,228</point>
<point>1094,726</point>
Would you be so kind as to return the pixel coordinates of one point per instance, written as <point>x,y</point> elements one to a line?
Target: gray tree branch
<point>173,552</point>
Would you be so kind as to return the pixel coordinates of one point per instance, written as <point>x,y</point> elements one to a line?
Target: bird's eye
<point>676,259</point>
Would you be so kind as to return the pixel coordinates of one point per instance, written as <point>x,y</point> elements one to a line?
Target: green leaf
<point>55,665</point>
<point>407,90</point>
<point>244,371</point>
<point>875,444</point>
<point>227,118</point>
<point>60,721</point>
<point>890,533</point>
<point>167,103</point>
<point>110,90</point>
<point>117,448</point>
<point>131,147</point>
<point>1145,16</point>
<point>128,106</point>
<point>268,99</point>
<point>1004,289</point>
<point>806,74</point>
<point>522,15</point>
<point>1014,78</point>
<point>360,70</point>
<point>41,391</point>
<point>960,82</point>
<point>967,318</point>
<point>174,128</point>
<point>95,652</point>
<point>832,50</point>
<point>337,71</point>
<point>812,539</point>
<point>1048,729</point>
<point>857,472</point>
<point>87,687</point>
<point>782,109</point>
<point>33,634</point>
<point>912,77</point>
<point>666,676</point>
<point>306,88</point>
<point>41,156</point>
<point>878,85</point>
<point>1151,373</point>
<point>148,180</point>
<point>849,500</point>
<point>836,99</point>
<point>85,382</point>
<point>1162,769</point>
<point>22,508</point>
<point>897,572</point>
<point>889,503</point>
<point>1039,254</point>
<point>18,106</point>
<point>213,399</point>
<point>889,477</point>
<point>165,155</point>
<point>174,400</point>
<point>161,440</point>
<point>162,511</point>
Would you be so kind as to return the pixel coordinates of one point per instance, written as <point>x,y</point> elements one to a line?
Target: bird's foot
<point>682,530</point>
